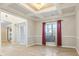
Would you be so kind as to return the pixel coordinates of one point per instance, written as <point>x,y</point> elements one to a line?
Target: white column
<point>26,33</point>
<point>13,34</point>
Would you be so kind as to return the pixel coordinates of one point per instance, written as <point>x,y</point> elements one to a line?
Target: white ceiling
<point>18,9</point>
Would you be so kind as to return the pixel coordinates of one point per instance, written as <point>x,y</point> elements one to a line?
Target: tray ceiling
<point>47,10</point>
<point>40,6</point>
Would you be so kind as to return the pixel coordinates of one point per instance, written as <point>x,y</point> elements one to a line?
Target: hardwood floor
<point>37,51</point>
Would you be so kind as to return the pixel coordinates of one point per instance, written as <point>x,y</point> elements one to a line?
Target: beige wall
<point>31,31</point>
<point>77,28</point>
<point>38,33</point>
<point>68,31</point>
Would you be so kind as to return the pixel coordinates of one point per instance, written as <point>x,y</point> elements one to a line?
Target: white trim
<point>41,44</point>
<point>0,35</point>
<point>68,46</point>
<point>59,17</point>
<point>69,36</point>
<point>55,45</point>
<point>50,45</point>
<point>49,9</point>
<point>77,50</point>
<point>38,44</point>
<point>68,14</point>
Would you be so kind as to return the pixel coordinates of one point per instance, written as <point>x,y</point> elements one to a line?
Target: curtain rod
<point>52,21</point>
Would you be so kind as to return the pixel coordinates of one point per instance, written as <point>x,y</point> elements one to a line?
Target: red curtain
<point>59,37</point>
<point>43,34</point>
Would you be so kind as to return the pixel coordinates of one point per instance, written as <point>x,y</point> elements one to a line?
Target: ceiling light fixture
<point>39,5</point>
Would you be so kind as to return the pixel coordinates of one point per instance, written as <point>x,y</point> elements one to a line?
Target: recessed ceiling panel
<point>40,6</point>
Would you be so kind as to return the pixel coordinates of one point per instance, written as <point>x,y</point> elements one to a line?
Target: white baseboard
<point>55,45</point>
<point>31,44</point>
<point>38,44</point>
<point>77,51</point>
<point>68,46</point>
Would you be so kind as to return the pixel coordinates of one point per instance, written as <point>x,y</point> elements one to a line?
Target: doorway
<point>5,34</point>
<point>21,34</point>
<point>51,33</point>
